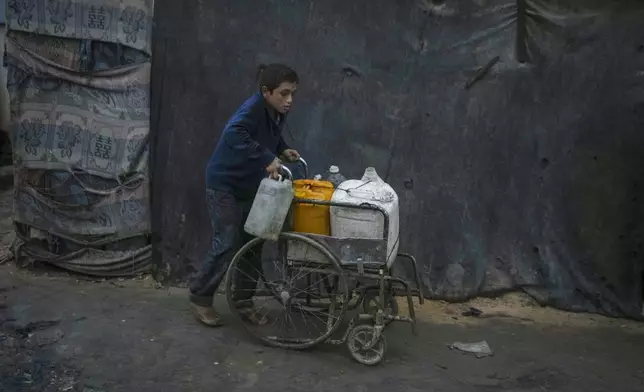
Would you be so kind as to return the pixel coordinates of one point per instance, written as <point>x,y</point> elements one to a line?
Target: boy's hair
<point>272,75</point>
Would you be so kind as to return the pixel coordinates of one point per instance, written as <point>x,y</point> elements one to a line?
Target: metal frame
<point>376,274</point>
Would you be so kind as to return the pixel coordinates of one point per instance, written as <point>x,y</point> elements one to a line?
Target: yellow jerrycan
<point>310,218</point>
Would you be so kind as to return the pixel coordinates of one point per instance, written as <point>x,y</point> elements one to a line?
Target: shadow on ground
<point>59,333</point>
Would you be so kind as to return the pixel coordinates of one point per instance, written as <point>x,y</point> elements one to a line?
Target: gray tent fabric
<point>78,78</point>
<point>511,130</point>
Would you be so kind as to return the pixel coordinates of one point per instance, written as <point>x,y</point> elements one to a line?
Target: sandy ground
<point>519,308</point>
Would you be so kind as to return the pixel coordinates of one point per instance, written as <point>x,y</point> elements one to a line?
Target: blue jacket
<point>249,143</point>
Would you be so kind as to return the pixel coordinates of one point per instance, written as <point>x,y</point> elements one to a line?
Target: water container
<point>270,209</point>
<point>311,218</point>
<point>356,223</point>
<point>334,176</point>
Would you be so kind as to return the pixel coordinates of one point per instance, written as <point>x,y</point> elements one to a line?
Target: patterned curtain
<point>78,78</point>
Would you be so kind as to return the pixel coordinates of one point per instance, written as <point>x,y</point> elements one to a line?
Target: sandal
<point>207,316</point>
<point>251,315</point>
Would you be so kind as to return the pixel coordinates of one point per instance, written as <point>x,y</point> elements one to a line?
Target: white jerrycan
<point>355,223</point>
<point>270,208</point>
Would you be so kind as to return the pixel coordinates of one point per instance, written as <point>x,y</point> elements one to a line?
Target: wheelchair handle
<point>302,162</point>
<point>287,173</point>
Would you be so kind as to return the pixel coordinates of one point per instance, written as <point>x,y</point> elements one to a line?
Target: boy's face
<point>281,98</point>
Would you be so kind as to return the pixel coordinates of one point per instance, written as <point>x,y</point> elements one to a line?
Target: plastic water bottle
<point>334,176</point>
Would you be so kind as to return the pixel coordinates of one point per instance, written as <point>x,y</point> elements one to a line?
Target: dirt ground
<point>61,332</point>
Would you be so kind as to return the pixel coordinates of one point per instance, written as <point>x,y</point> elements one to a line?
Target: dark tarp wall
<point>512,131</point>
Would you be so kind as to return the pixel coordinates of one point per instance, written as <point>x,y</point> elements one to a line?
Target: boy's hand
<point>274,168</point>
<point>291,155</point>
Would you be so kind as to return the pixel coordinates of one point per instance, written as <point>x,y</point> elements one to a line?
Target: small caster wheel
<point>371,304</point>
<point>359,337</point>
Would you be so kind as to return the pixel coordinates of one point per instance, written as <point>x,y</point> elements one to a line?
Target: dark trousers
<point>227,216</point>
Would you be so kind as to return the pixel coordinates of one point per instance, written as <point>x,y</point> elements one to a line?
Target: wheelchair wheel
<point>358,342</point>
<point>291,300</point>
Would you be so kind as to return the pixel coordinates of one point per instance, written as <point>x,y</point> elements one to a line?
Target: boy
<point>247,152</point>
